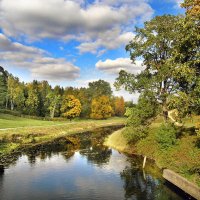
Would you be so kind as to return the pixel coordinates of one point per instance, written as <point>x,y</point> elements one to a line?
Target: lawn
<point>10,121</point>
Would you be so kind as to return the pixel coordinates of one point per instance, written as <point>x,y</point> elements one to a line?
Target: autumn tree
<point>192,7</point>
<point>101,108</point>
<point>71,107</point>
<point>119,106</point>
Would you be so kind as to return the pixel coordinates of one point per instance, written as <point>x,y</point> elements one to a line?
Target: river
<point>90,172</point>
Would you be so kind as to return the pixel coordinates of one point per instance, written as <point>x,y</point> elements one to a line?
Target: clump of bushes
<point>166,136</point>
<point>133,135</point>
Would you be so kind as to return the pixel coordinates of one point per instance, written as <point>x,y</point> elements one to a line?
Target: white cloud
<point>110,39</point>
<point>36,60</point>
<point>115,66</point>
<point>66,20</point>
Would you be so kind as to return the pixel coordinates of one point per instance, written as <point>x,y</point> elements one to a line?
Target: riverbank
<point>12,139</point>
<point>182,158</point>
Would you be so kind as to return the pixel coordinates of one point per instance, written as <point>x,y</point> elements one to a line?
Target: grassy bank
<point>117,141</point>
<point>36,131</point>
<point>183,157</point>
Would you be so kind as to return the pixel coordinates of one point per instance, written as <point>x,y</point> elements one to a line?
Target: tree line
<point>39,98</point>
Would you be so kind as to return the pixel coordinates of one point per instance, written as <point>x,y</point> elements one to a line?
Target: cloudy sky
<point>73,42</point>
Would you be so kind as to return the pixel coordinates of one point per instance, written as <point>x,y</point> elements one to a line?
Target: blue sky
<point>74,42</point>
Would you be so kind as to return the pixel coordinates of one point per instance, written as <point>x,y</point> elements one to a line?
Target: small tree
<point>53,102</point>
<point>71,107</point>
<point>119,106</point>
<point>101,108</point>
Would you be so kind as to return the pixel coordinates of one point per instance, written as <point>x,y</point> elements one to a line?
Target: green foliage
<point>99,88</point>
<point>133,135</point>
<point>32,101</point>
<point>166,136</point>
<point>180,101</point>
<point>171,67</point>
<point>53,102</point>
<point>3,85</point>
<point>101,108</point>
<point>15,94</point>
<point>129,104</point>
<point>143,111</point>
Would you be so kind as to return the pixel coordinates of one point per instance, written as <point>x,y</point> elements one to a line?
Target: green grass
<point>117,141</point>
<point>183,157</point>
<point>29,131</point>
<point>10,121</point>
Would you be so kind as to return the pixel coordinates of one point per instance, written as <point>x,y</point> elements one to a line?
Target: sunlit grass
<point>29,131</point>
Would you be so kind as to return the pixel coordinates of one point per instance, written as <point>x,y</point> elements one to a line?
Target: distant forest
<point>39,98</point>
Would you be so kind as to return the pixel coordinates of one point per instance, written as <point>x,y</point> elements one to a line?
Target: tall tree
<point>53,101</point>
<point>156,44</point>
<point>3,85</point>
<point>99,88</point>
<point>32,101</point>
<point>43,90</point>
<point>15,94</point>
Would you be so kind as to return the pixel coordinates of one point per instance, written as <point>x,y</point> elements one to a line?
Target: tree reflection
<point>67,155</point>
<point>137,186</point>
<point>99,155</point>
<point>1,180</point>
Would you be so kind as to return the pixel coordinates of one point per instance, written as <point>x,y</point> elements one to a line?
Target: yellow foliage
<point>71,107</point>
<point>101,108</point>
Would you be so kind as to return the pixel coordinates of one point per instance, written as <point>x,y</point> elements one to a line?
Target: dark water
<point>92,172</point>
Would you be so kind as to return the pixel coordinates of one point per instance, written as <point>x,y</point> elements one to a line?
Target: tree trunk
<point>165,112</point>
<point>11,105</point>
<point>53,112</point>
<point>6,103</point>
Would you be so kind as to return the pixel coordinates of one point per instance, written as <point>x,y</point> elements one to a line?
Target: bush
<point>133,135</point>
<point>11,112</point>
<point>166,136</point>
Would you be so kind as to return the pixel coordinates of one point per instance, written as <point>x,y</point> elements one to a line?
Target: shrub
<point>133,135</point>
<point>166,136</point>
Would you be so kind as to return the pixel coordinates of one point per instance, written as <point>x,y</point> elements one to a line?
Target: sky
<point>74,42</point>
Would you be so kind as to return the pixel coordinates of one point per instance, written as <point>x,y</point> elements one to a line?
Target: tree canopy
<point>168,69</point>
<point>71,107</point>
<point>101,108</point>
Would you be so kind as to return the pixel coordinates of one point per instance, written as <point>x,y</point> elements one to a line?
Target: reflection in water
<point>1,179</point>
<point>92,172</point>
<point>136,186</point>
<point>97,155</point>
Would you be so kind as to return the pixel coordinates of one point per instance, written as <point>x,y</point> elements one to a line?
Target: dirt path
<point>170,115</point>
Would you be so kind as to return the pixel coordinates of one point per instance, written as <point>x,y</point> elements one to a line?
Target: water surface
<point>91,172</point>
